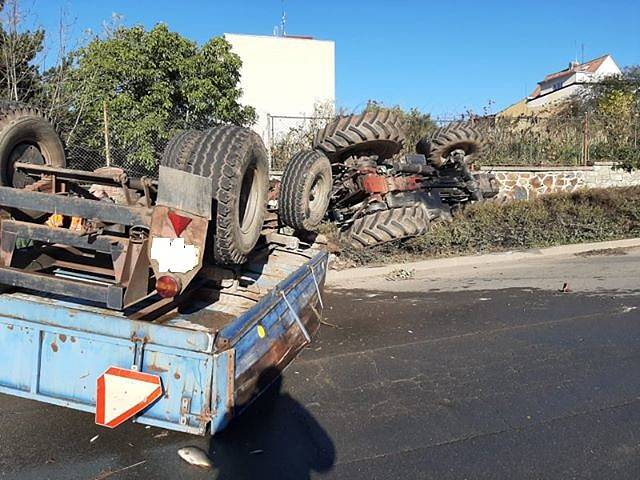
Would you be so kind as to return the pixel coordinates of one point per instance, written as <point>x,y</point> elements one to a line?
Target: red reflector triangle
<point>179,222</point>
<point>123,393</point>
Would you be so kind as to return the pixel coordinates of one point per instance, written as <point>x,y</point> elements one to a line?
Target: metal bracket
<point>297,318</point>
<point>138,353</point>
<point>315,280</point>
<point>185,410</point>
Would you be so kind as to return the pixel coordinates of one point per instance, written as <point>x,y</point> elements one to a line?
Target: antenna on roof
<point>582,53</point>
<point>279,30</point>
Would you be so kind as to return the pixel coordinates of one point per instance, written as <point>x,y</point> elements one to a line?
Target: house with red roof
<point>565,83</point>
<point>558,86</point>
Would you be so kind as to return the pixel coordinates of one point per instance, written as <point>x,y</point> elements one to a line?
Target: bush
<point>555,219</point>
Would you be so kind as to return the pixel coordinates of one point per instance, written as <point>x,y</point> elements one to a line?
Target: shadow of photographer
<point>275,438</point>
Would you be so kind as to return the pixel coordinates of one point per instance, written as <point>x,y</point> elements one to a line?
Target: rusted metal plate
<point>185,191</point>
<point>74,207</point>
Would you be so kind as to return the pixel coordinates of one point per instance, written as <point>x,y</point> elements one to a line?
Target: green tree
<point>152,83</point>
<point>19,47</point>
<point>613,106</point>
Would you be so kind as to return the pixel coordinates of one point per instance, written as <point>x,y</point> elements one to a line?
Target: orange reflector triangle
<point>179,222</point>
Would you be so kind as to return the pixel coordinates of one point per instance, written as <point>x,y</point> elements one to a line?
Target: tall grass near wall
<point>555,219</point>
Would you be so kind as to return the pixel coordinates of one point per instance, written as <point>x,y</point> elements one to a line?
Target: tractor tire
<point>423,147</point>
<point>454,136</point>
<point>26,135</point>
<point>305,190</point>
<point>379,133</point>
<point>386,226</point>
<point>235,159</point>
<point>178,151</point>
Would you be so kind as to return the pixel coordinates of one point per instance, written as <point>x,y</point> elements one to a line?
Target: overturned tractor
<point>356,177</point>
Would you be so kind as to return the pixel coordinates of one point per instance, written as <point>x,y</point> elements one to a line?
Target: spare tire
<point>305,190</point>
<point>455,136</point>
<point>379,133</point>
<point>387,225</point>
<point>235,158</point>
<point>26,135</point>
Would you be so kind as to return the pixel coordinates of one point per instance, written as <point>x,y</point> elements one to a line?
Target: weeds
<point>555,219</point>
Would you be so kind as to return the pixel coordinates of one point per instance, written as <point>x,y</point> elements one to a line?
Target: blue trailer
<point>212,357</point>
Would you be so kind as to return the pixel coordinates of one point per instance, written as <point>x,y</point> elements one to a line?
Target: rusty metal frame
<point>129,256</point>
<point>74,207</point>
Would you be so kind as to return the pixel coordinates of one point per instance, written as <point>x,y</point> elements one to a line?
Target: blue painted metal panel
<point>101,322</point>
<point>22,341</point>
<point>61,366</point>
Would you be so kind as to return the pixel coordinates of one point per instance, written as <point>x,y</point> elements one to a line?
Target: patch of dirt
<point>606,252</point>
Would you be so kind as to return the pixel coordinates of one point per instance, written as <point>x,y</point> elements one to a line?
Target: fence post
<point>269,139</point>
<point>585,140</point>
<point>106,133</point>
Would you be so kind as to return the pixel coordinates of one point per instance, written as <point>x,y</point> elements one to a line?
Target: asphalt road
<point>454,376</point>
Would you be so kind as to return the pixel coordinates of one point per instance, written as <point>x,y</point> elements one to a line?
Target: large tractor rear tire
<point>26,135</point>
<point>455,136</point>
<point>305,190</point>
<point>235,159</point>
<point>379,133</point>
<point>387,225</point>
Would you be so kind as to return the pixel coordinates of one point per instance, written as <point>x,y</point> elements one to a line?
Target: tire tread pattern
<point>218,154</point>
<point>387,225</point>
<point>348,131</point>
<point>446,138</point>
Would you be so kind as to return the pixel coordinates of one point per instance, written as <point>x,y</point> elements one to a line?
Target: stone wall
<point>526,182</point>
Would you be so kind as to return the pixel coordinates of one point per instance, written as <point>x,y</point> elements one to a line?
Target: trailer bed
<point>214,352</point>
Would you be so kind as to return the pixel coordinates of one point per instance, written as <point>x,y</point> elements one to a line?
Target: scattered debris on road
<point>94,439</point>
<point>565,288</point>
<point>110,473</point>
<point>195,456</point>
<point>400,274</point>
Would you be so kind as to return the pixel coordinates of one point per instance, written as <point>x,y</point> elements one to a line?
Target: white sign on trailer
<point>123,393</point>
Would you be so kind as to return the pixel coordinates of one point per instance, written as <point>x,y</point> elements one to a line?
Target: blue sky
<point>442,57</point>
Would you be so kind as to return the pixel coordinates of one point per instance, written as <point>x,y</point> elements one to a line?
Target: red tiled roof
<point>588,67</point>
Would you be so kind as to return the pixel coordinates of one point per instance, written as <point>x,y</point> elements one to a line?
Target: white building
<point>565,83</point>
<point>284,78</point>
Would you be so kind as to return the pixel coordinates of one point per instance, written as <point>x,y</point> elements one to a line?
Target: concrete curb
<point>342,277</point>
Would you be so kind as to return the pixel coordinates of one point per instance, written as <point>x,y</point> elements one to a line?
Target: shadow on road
<point>275,438</point>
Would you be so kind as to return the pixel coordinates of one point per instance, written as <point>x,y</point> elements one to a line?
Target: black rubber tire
<point>378,133</point>
<point>387,225</point>
<point>305,190</point>
<point>423,147</point>
<point>457,135</point>
<point>26,135</point>
<point>179,150</point>
<point>235,158</point>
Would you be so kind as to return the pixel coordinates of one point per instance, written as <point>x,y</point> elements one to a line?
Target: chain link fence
<point>534,141</point>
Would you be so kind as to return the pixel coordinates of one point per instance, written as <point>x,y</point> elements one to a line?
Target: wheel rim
<point>248,206</point>
<point>24,152</point>
<point>470,149</point>
<point>315,195</point>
